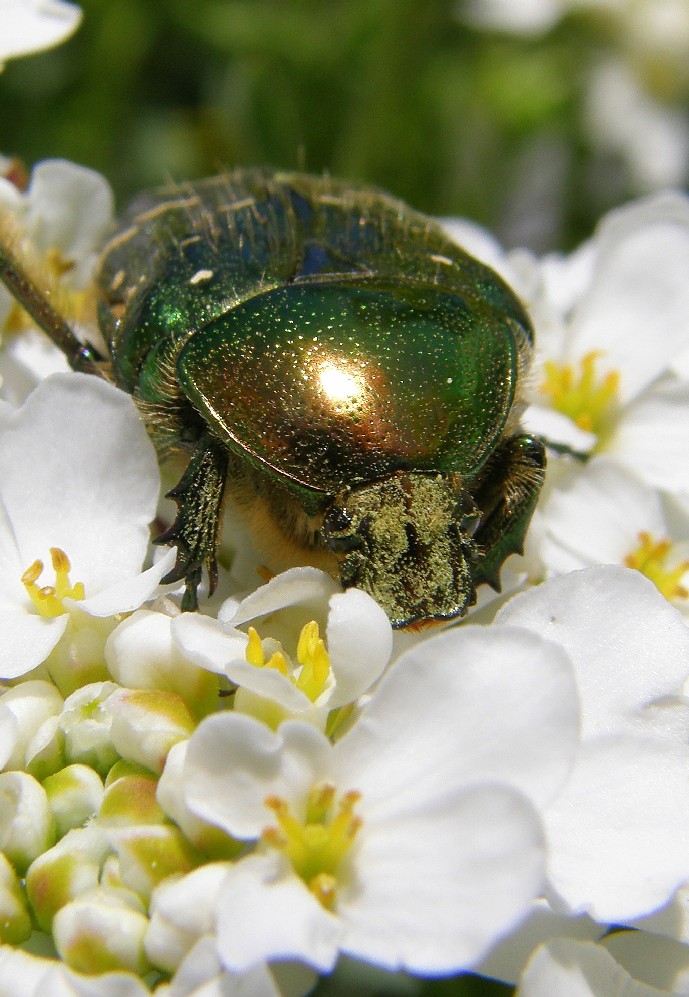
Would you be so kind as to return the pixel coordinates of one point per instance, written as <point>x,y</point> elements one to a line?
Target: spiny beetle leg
<point>199,496</point>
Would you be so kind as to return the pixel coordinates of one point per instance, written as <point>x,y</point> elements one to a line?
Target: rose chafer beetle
<point>338,365</point>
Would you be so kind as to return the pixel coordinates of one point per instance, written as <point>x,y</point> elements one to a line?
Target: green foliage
<point>399,93</point>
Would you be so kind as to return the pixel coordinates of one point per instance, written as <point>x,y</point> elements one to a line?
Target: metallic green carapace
<point>336,364</point>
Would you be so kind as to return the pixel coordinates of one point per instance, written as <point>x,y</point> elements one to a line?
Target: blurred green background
<point>455,118</point>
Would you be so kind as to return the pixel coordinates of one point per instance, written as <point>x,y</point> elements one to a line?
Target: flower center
<point>316,846</point>
<point>312,656</point>
<point>48,599</point>
<point>590,399</point>
<point>651,558</point>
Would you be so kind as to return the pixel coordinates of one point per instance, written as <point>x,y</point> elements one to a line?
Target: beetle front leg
<point>507,496</point>
<point>199,497</point>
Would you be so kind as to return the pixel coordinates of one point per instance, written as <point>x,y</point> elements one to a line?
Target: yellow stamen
<point>589,399</point>
<point>255,656</point>
<point>316,846</point>
<point>312,677</point>
<point>315,662</point>
<point>651,557</point>
<point>49,599</point>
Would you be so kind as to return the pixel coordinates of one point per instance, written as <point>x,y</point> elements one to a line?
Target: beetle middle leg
<point>199,497</point>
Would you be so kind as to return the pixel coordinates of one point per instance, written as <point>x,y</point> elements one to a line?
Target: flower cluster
<point>278,786</point>
<point>240,799</point>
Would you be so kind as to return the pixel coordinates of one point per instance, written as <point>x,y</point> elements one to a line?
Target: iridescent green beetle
<point>335,359</point>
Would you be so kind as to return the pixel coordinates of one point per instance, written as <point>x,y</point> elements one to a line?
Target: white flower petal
<point>22,974</point>
<point>472,862</point>
<point>359,642</point>
<point>24,361</point>
<point>507,959</point>
<point>188,902</point>
<point>624,809</point>
<point>653,437</point>
<point>595,515</point>
<point>568,968</point>
<point>637,308</point>
<point>636,648</point>
<point>269,684</point>
<point>234,762</point>
<point>62,982</point>
<point>557,428</point>
<point>77,471</point>
<point>28,26</point>
<point>128,594</point>
<point>27,640</point>
<point>8,733</point>
<point>69,207</point>
<point>208,642</point>
<point>257,891</point>
<point>651,959</point>
<point>464,683</point>
<point>291,588</point>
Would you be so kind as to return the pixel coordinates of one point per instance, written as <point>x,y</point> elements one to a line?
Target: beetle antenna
<point>80,356</point>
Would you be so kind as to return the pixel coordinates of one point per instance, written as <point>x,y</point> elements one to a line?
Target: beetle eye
<point>336,520</point>
<point>337,523</point>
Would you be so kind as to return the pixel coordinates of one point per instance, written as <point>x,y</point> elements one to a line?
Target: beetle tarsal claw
<point>199,496</point>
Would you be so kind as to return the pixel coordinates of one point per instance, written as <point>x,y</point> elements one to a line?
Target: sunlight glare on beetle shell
<point>340,385</point>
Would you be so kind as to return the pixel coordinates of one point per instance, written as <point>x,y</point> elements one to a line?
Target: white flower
<point>290,612</point>
<point>617,831</point>
<point>609,325</point>
<point>63,215</point>
<point>412,842</point>
<point>57,225</point>
<point>28,26</point>
<point>603,514</point>
<point>78,487</point>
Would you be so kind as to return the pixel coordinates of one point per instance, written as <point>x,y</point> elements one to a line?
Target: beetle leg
<point>507,496</point>
<point>199,497</point>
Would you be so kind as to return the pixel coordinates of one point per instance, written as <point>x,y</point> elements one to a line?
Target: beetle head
<point>407,541</point>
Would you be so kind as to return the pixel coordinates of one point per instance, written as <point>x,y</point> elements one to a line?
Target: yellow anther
<point>311,655</point>
<point>316,846</point>
<point>651,559</point>
<point>255,656</point>
<point>48,600</point>
<point>314,661</point>
<point>277,662</point>
<point>254,650</point>
<point>588,398</point>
